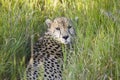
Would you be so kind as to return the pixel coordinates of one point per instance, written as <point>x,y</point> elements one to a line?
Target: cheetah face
<point>61,29</point>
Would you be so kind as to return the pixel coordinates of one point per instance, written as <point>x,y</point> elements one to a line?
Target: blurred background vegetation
<point>96,54</point>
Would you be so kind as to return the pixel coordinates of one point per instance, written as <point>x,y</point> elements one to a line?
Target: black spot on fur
<point>56,63</point>
<point>48,61</point>
<point>52,51</point>
<point>45,75</point>
<point>49,76</point>
<point>58,66</point>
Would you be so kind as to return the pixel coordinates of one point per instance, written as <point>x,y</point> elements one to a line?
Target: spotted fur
<point>48,50</point>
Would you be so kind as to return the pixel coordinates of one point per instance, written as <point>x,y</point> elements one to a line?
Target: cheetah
<point>48,50</point>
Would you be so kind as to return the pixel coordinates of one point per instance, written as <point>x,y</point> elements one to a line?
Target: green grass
<point>96,54</point>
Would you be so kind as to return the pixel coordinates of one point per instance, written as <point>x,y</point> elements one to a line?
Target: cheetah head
<point>61,29</point>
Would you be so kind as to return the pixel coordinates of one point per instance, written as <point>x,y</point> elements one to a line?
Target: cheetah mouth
<point>63,41</point>
<point>66,42</point>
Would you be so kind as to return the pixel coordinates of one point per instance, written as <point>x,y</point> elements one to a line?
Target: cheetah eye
<point>69,27</point>
<point>57,28</point>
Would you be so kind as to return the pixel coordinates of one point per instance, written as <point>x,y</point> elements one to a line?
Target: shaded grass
<point>96,49</point>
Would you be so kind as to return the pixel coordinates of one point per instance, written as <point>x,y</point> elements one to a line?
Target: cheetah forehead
<point>61,22</point>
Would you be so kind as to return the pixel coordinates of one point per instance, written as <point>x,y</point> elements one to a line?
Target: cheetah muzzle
<point>48,50</point>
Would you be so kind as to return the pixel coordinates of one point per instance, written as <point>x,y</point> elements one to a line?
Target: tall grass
<point>96,54</point>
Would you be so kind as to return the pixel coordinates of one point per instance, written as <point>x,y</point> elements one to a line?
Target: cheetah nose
<point>65,37</point>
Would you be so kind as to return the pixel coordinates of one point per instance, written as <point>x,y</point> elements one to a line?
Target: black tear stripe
<point>60,33</point>
<point>69,31</point>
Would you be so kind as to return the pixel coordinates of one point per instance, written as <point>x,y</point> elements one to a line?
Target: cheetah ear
<point>48,22</point>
